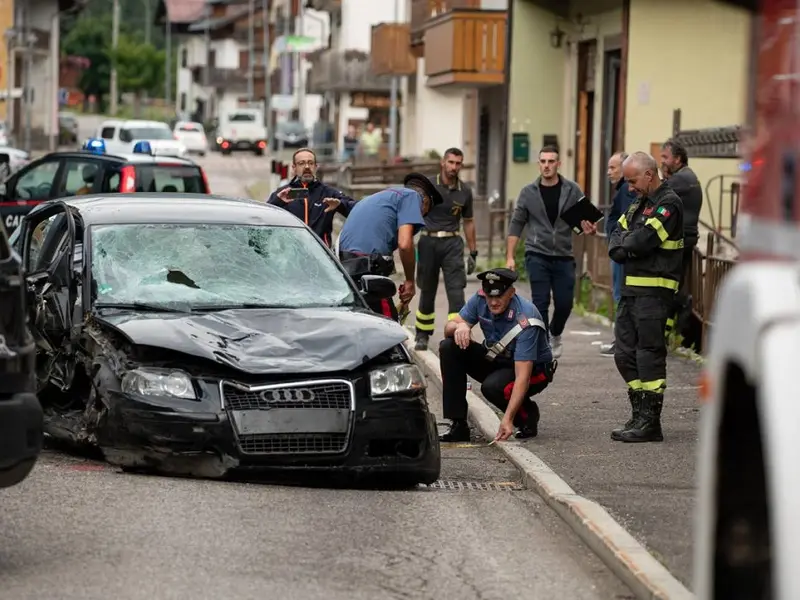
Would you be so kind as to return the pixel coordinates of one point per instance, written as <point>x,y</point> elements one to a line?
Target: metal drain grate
<point>474,486</point>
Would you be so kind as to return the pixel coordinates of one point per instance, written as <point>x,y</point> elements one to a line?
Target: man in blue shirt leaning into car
<point>514,363</point>
<point>387,221</point>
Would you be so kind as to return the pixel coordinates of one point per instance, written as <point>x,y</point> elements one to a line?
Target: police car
<point>91,171</point>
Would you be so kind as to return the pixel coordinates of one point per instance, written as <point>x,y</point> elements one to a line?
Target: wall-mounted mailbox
<point>520,147</point>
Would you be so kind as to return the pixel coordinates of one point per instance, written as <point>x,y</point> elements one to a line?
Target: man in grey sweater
<point>549,261</point>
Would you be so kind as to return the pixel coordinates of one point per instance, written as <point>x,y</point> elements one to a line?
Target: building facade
<point>598,76</point>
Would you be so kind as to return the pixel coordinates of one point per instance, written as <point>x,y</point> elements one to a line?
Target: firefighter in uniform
<point>649,245</point>
<point>441,247</point>
<point>514,363</point>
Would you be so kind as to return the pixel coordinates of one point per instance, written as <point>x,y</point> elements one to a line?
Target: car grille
<point>300,395</point>
<point>294,443</point>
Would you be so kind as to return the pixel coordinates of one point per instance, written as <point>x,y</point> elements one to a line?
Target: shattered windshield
<point>207,267</point>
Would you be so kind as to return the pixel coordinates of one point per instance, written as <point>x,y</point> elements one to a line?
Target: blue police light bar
<point>95,146</point>
<point>142,147</point>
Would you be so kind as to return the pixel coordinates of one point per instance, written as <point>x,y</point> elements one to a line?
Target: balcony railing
<point>466,47</point>
<point>422,11</point>
<point>230,79</point>
<point>345,71</point>
<point>390,51</point>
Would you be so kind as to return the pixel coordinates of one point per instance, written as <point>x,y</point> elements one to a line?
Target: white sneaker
<point>555,345</point>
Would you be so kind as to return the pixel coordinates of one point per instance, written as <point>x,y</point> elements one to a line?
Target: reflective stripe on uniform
<point>623,222</point>
<point>452,316</point>
<point>657,385</point>
<point>635,384</point>
<point>661,282</point>
<point>659,227</point>
<point>672,245</point>
<point>500,347</point>
<point>425,322</point>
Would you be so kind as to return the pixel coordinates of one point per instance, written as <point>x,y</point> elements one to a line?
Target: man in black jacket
<point>318,206</point>
<point>684,182</point>
<point>649,244</point>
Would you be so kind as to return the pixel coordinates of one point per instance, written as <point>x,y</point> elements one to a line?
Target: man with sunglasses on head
<point>307,198</point>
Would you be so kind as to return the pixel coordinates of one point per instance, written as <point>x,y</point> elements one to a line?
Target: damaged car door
<point>48,250</point>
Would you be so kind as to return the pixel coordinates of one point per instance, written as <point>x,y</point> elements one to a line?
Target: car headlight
<point>157,382</point>
<point>394,379</point>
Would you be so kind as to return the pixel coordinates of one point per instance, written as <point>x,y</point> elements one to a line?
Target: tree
<point>91,38</point>
<point>140,66</point>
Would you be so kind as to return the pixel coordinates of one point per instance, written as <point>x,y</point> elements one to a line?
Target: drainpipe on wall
<point>506,102</point>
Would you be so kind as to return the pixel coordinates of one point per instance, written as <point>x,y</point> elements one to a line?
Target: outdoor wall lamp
<point>556,37</point>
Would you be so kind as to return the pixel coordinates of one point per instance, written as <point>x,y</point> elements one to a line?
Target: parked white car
<point>120,136</point>
<point>192,135</point>
<point>11,160</point>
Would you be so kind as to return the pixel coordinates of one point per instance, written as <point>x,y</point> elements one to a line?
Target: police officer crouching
<point>514,363</point>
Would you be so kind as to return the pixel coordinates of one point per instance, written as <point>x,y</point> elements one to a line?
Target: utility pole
<point>207,62</point>
<point>168,58</point>
<point>251,51</point>
<point>394,93</point>
<point>113,90</point>
<point>148,11</point>
<point>11,39</point>
<point>267,80</point>
<point>30,40</point>
<point>301,71</point>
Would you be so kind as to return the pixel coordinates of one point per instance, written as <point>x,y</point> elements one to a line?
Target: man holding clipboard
<point>552,208</point>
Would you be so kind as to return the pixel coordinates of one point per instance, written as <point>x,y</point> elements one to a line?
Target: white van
<point>121,135</point>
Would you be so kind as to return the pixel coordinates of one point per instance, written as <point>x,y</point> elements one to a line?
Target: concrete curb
<point>626,557</point>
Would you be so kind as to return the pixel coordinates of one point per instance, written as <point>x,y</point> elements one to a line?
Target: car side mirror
<point>377,286</point>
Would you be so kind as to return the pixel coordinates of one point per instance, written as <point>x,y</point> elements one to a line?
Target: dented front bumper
<point>394,434</point>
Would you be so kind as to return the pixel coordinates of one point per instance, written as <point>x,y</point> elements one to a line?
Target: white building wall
<point>439,116</point>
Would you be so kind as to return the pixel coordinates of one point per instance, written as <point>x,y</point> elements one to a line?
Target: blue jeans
<point>554,276</point>
<point>616,281</point>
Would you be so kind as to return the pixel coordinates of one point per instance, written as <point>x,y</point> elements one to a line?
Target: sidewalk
<point>648,488</point>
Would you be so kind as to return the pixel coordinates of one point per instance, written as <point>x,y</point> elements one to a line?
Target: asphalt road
<point>79,529</point>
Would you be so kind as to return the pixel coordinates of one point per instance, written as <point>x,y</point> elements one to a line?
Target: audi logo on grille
<point>288,395</point>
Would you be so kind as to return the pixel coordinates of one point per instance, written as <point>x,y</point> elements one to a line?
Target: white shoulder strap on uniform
<point>509,337</point>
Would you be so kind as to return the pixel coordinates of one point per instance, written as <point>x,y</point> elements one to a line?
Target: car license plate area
<point>291,421</point>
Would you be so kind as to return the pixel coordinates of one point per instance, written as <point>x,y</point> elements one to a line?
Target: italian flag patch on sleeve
<point>663,211</point>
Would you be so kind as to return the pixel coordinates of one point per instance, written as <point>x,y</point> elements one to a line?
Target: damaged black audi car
<point>200,335</point>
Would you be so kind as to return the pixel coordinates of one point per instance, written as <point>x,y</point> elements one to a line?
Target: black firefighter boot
<point>421,341</point>
<point>647,427</point>
<point>529,427</point>
<point>635,398</point>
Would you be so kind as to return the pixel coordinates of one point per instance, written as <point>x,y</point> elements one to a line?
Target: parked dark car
<point>21,430</point>
<point>202,335</point>
<point>293,134</point>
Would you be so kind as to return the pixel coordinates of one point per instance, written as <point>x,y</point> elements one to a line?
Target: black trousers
<point>496,378</point>
<point>640,349</point>
<point>445,255</point>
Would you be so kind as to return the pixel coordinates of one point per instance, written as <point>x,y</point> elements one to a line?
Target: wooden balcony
<point>423,11</point>
<point>390,52</point>
<point>467,48</point>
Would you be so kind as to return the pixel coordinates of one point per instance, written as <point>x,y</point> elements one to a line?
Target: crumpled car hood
<point>266,340</point>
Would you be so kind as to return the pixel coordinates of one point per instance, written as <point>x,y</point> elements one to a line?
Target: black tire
<point>259,152</point>
<point>16,474</point>
<point>227,152</point>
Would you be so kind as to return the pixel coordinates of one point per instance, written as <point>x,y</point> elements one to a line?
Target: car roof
<point>133,123</point>
<point>123,158</point>
<point>141,208</point>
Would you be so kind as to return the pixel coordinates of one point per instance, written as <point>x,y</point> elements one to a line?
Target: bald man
<point>649,245</point>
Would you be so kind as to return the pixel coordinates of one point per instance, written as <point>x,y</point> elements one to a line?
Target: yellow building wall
<point>6,22</point>
<point>536,90</point>
<point>692,55</point>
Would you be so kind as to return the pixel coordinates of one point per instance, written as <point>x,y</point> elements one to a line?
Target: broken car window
<point>185,266</point>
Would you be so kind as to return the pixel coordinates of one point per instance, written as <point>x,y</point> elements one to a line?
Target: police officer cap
<point>495,282</point>
<point>419,180</point>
